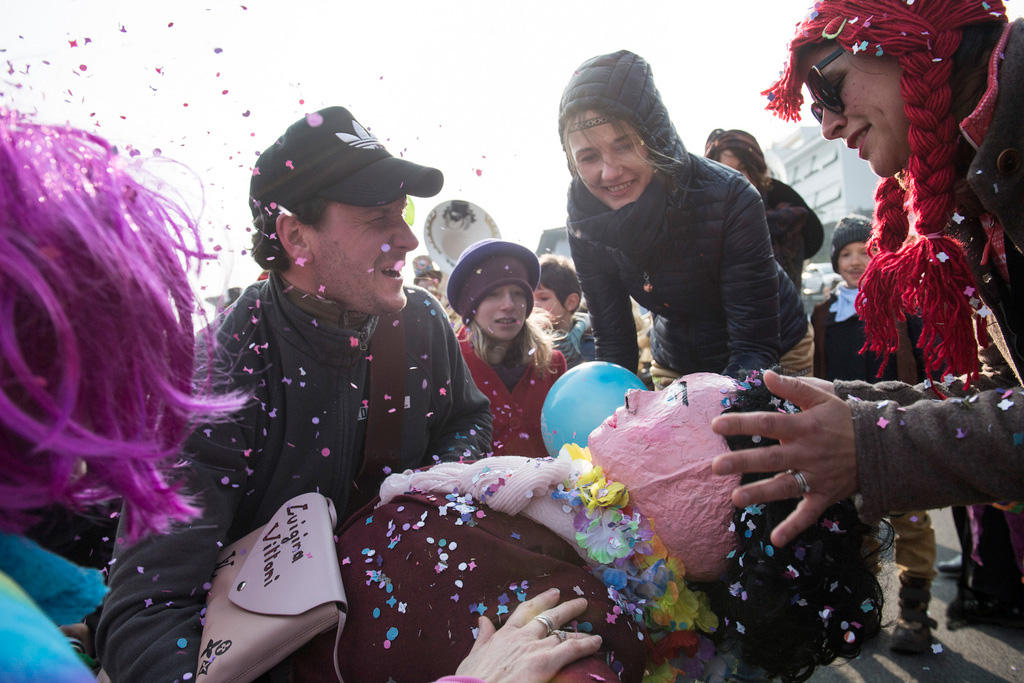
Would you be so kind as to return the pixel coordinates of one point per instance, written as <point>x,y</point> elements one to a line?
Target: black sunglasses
<point>824,94</point>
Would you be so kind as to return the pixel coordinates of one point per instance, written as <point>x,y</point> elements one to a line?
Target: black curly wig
<point>794,608</point>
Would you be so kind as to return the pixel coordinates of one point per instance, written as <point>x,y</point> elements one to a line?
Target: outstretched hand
<point>522,649</point>
<point>817,443</point>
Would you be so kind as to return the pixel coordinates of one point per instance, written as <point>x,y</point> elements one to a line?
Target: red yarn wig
<point>927,274</point>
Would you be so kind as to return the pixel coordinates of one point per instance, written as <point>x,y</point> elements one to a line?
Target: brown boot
<point>913,632</point>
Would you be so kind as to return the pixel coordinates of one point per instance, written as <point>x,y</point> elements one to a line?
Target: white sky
<point>471,87</point>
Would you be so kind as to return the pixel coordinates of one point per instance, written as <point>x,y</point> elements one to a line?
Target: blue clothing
<point>61,589</point>
<point>32,648</point>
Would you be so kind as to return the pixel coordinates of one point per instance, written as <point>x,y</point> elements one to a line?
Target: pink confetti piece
<point>882,422</point>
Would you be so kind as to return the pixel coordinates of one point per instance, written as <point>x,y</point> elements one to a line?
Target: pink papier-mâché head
<point>660,445</point>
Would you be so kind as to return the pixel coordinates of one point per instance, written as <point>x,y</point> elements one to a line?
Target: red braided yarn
<point>947,336</point>
<point>891,226</point>
<point>932,274</point>
<point>878,301</point>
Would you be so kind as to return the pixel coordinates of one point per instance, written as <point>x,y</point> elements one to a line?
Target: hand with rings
<point>530,646</point>
<point>816,458</point>
<point>550,626</point>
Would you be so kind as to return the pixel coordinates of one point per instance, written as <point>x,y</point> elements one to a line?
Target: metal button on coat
<point>1008,161</point>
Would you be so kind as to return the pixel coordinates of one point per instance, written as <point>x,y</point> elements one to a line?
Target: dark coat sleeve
<point>158,586</point>
<point>465,431</point>
<point>611,312</point>
<point>749,283</point>
<point>932,453</point>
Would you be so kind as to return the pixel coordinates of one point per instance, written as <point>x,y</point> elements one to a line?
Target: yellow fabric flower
<point>576,452</point>
<point>596,491</point>
<point>678,605</point>
<point>707,620</point>
<point>685,608</point>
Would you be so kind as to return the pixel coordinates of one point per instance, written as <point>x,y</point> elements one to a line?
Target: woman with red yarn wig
<point>931,94</point>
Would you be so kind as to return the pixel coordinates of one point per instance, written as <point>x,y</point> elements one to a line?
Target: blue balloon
<point>581,399</point>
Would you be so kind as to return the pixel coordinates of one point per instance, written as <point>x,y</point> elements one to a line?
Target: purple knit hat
<point>488,264</point>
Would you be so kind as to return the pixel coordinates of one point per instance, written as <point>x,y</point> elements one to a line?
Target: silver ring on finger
<point>548,624</point>
<point>561,635</point>
<point>801,481</point>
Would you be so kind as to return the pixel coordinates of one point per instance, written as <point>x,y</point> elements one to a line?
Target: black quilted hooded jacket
<point>703,266</point>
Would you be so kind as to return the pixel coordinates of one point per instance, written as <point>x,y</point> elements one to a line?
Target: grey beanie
<point>852,228</point>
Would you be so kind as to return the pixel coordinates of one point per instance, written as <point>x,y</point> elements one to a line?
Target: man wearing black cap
<point>339,358</point>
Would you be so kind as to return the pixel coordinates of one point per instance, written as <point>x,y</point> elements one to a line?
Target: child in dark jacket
<point>839,331</point>
<point>838,339</point>
<point>559,293</point>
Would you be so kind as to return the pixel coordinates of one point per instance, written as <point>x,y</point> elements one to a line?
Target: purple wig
<point>96,332</point>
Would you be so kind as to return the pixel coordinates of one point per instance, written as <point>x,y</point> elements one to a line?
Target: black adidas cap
<point>328,155</point>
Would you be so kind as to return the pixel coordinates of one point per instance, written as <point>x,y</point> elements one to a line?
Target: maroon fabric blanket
<point>420,570</point>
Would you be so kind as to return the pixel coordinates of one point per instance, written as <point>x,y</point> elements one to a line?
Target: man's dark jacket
<point>301,431</point>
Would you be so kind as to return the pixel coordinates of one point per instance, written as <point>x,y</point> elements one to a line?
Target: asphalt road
<point>974,653</point>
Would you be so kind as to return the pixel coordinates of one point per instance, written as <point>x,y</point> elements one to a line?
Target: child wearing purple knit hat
<point>512,360</point>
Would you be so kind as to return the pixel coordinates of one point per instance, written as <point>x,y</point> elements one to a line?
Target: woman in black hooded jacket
<point>686,238</point>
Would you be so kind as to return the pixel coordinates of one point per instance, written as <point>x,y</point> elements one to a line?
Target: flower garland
<point>644,581</point>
